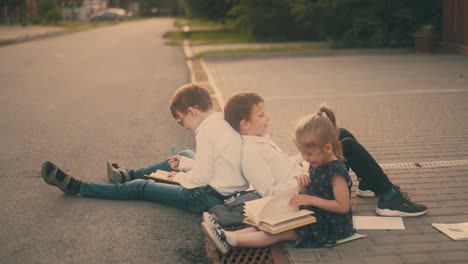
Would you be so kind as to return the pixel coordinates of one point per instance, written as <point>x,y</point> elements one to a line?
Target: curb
<point>249,54</point>
<point>200,74</point>
<point>57,33</point>
<point>27,38</point>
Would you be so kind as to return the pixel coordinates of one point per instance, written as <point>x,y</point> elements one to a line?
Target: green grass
<point>204,37</point>
<point>305,48</point>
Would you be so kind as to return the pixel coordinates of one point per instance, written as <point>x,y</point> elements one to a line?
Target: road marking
<point>383,93</point>
<point>213,84</point>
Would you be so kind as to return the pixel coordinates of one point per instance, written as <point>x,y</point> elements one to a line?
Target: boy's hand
<point>301,199</point>
<point>302,180</point>
<point>174,162</point>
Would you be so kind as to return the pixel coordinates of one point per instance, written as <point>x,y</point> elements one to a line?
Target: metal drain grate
<point>428,164</point>
<point>398,166</point>
<point>266,255</point>
<point>448,163</point>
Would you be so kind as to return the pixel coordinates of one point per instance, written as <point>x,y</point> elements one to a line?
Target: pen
<point>173,151</point>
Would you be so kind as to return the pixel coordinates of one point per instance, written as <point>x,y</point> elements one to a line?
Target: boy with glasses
<point>206,180</point>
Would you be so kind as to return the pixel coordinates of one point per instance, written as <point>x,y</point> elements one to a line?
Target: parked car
<point>111,14</point>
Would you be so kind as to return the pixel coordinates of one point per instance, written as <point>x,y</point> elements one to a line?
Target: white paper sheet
<point>378,222</point>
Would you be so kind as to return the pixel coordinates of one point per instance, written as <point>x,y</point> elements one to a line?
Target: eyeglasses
<point>180,120</point>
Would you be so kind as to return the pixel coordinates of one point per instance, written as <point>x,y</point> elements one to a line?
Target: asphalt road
<point>79,100</point>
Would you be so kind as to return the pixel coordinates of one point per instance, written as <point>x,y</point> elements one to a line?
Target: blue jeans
<point>196,200</point>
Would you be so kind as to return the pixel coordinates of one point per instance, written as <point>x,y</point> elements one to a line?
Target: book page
<point>457,231</point>
<point>278,207</point>
<point>347,239</point>
<point>161,175</point>
<point>378,222</point>
<point>287,225</point>
<point>280,219</point>
<point>253,208</point>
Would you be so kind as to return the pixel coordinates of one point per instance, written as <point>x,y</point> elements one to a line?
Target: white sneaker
<point>210,219</point>
<point>218,237</point>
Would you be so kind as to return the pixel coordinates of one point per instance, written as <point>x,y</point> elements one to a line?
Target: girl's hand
<point>174,162</point>
<point>171,174</point>
<point>301,199</point>
<point>303,180</point>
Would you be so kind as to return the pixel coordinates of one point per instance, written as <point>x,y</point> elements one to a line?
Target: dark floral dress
<point>329,226</point>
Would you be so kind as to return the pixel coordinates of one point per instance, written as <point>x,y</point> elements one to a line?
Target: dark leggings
<point>363,164</point>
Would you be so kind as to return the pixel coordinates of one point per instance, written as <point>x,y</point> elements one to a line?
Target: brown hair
<point>239,106</point>
<point>190,95</point>
<point>322,126</point>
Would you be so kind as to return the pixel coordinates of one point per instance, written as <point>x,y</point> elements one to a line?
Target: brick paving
<point>403,108</point>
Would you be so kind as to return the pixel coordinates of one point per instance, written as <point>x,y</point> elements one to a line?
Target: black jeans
<point>363,164</point>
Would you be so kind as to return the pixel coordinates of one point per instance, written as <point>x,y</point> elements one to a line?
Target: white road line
<point>306,97</point>
<point>214,86</point>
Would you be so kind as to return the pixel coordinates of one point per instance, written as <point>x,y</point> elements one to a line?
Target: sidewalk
<point>11,34</point>
<point>404,108</point>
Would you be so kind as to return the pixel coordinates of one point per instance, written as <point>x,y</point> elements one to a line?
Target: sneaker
<point>217,236</point>
<point>400,205</point>
<point>117,174</point>
<point>210,219</point>
<point>363,190</point>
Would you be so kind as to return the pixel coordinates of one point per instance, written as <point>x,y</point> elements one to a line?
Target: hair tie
<point>319,113</point>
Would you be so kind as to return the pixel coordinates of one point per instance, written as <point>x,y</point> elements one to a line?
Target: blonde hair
<point>317,130</point>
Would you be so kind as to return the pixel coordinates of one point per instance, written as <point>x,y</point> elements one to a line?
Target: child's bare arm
<point>340,205</point>
<point>303,181</point>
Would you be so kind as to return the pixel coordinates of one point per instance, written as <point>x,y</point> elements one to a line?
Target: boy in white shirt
<point>205,181</point>
<point>269,170</point>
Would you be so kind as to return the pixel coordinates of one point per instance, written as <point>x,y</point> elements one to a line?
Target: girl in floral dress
<point>326,191</point>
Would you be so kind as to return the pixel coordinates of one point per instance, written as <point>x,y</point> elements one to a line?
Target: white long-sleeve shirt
<point>266,167</point>
<point>217,160</point>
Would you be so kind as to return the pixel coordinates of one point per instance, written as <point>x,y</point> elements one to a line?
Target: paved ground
<point>79,100</point>
<point>19,32</point>
<point>403,108</point>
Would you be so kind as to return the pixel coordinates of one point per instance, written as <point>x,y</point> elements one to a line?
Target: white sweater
<point>217,160</point>
<point>266,167</point>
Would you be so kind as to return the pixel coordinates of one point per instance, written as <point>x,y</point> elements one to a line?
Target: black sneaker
<point>116,174</point>
<point>400,205</point>
<point>363,190</point>
<point>217,236</point>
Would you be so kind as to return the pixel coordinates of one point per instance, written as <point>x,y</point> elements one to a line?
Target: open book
<point>275,215</point>
<point>458,231</point>
<point>161,176</point>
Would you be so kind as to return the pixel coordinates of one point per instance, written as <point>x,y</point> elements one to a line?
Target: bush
<point>359,23</point>
<point>50,11</point>
<point>215,10</point>
<point>265,19</point>
<point>54,15</point>
<point>347,23</point>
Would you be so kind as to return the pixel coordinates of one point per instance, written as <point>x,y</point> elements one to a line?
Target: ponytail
<point>330,114</point>
<point>323,125</point>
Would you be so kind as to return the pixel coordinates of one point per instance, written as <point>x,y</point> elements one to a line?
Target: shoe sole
<point>113,175</point>
<point>388,212</point>
<point>206,217</point>
<point>365,193</point>
<point>44,174</point>
<point>207,230</point>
